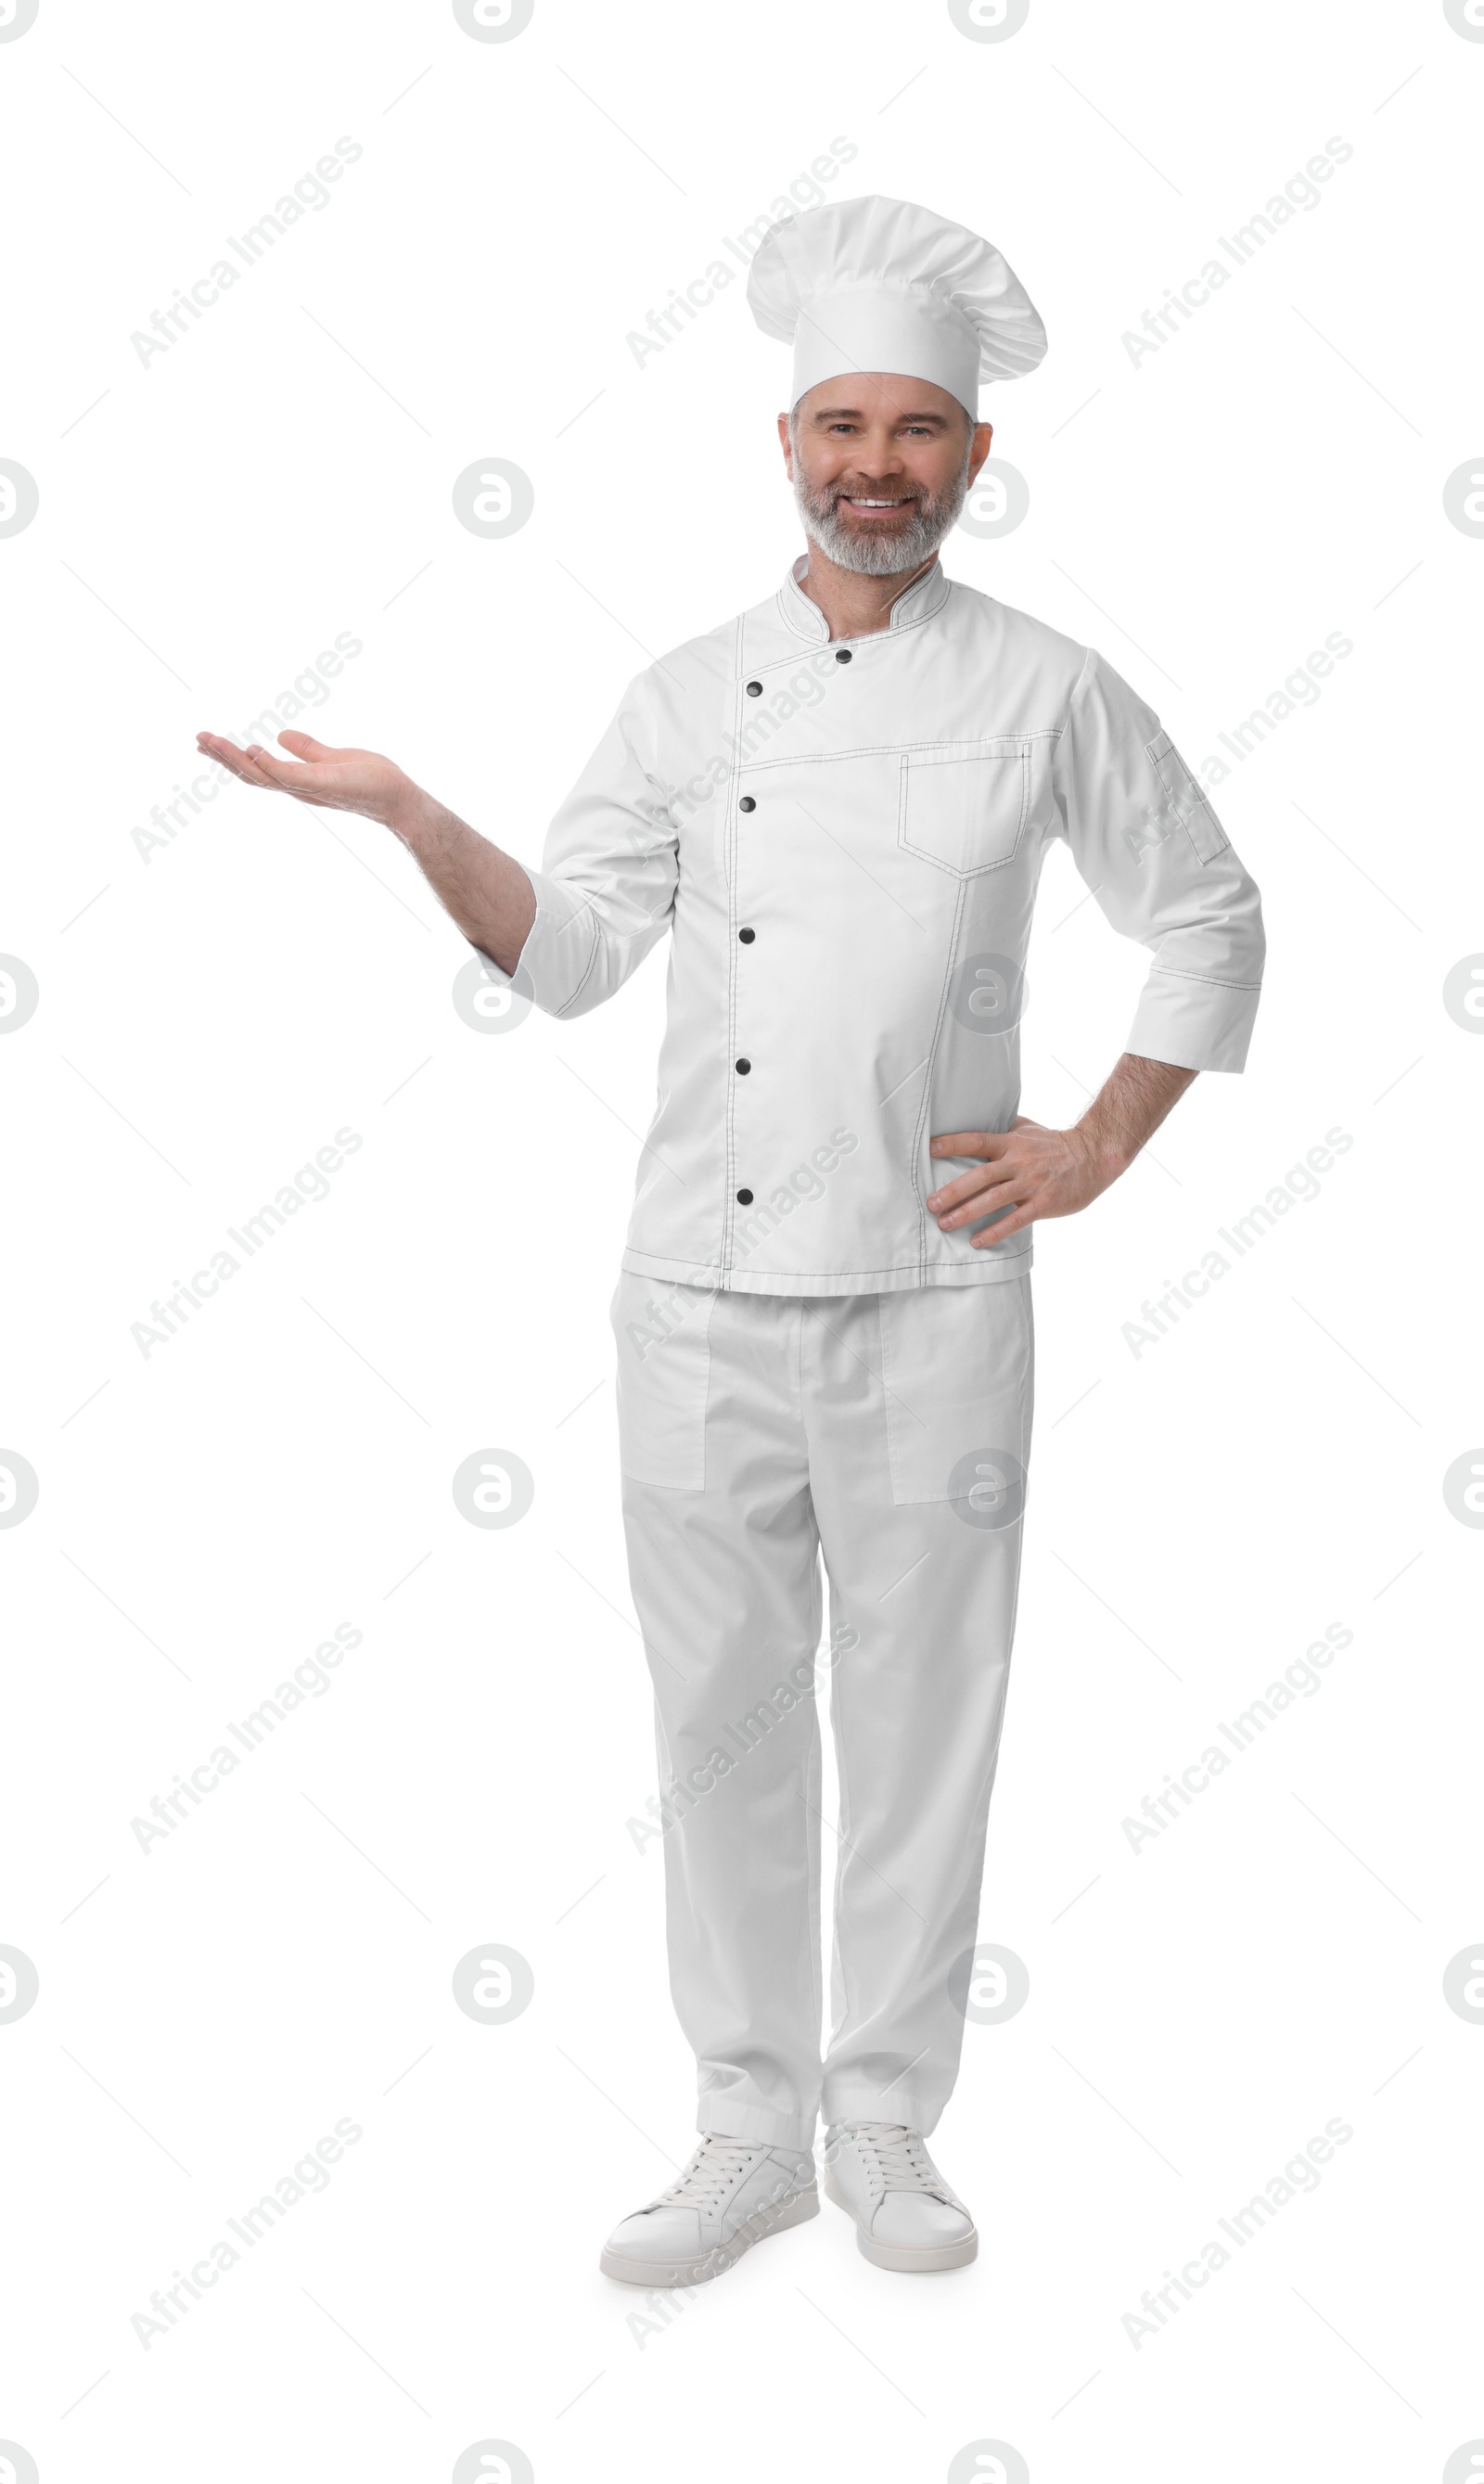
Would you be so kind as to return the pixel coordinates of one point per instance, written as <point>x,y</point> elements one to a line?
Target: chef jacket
<point>844,840</point>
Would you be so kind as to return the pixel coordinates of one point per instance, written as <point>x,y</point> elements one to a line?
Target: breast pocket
<point>965,806</point>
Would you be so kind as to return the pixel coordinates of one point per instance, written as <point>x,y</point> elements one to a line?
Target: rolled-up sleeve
<point>1149,845</point>
<point>606,890</point>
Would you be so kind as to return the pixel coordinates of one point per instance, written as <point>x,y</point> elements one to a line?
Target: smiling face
<point>881,467</point>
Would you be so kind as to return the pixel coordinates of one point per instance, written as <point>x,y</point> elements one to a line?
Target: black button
<point>746,803</point>
<point>754,689</point>
<point>842,655</point>
<point>744,1199</point>
<point>747,934</point>
<point>743,1068</point>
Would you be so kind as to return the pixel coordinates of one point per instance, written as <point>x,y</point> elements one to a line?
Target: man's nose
<point>878,457</point>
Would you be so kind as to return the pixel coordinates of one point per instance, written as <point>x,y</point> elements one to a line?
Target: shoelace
<point>896,2159</point>
<point>710,2173</point>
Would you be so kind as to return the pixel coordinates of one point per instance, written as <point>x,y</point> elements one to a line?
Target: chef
<point>837,805</point>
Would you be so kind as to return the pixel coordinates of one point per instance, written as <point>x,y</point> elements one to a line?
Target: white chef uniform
<point>844,840</point>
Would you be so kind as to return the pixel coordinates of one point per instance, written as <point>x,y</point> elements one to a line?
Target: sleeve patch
<point>1187,800</point>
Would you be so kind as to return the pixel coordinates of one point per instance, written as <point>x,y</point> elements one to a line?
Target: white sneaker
<point>730,2195</point>
<point>906,2216</point>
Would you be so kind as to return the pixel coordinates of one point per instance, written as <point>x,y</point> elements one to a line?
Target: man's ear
<point>787,445</point>
<point>979,446</point>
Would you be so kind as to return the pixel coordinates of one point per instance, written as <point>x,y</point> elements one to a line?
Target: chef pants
<point>888,1433</point>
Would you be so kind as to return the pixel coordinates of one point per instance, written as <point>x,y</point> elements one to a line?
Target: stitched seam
<point>586,974</point>
<point>926,1096</point>
<point>887,1399</point>
<point>949,584</point>
<point>705,1346</point>
<point>1187,975</point>
<point>811,1926</point>
<point>842,1947</point>
<point>901,750</point>
<point>1072,696</point>
<point>895,1268</point>
<point>729,865</point>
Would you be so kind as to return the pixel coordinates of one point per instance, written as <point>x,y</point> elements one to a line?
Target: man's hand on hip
<point>1029,1171</point>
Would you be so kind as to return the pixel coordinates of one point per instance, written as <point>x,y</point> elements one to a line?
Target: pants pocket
<point>662,1334</point>
<point>958,1364</point>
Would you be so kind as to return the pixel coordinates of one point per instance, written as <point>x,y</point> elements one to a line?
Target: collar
<point>918,602</point>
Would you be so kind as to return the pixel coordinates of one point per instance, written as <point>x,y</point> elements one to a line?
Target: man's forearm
<point>488,894</point>
<point>1129,1109</point>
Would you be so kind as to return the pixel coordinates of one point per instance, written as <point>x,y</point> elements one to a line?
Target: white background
<point>211,1016</point>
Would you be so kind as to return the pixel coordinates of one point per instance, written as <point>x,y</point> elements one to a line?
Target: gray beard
<point>879,556</point>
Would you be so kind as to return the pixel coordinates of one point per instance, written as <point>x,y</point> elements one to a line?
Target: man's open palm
<point>332,780</point>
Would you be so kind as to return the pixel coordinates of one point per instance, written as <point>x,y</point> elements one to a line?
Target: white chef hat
<point>880,285</point>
